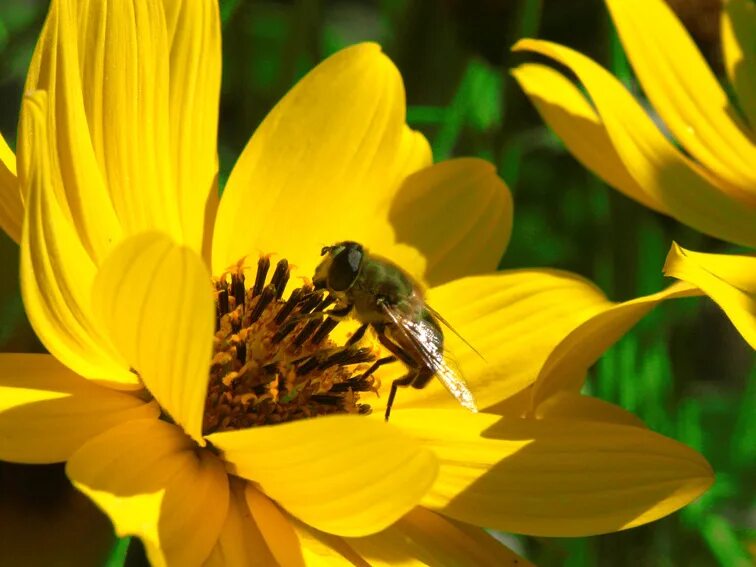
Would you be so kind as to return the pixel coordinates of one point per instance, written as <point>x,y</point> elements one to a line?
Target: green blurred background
<point>683,369</point>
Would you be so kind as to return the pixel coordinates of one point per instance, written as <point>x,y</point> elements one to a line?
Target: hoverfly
<point>379,294</point>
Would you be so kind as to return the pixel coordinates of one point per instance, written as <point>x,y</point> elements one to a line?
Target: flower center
<point>273,359</point>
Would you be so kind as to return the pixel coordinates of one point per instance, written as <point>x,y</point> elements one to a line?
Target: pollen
<point>273,357</point>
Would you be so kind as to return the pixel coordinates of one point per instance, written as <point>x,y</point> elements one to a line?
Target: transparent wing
<point>446,324</point>
<point>423,336</point>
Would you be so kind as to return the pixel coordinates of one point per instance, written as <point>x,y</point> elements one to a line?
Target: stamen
<point>237,287</point>
<point>284,331</point>
<point>311,300</point>
<point>307,331</point>
<point>280,277</point>
<point>289,306</point>
<point>264,299</point>
<point>327,301</point>
<point>274,360</point>
<point>347,356</point>
<point>263,265</point>
<point>223,302</point>
<point>328,325</point>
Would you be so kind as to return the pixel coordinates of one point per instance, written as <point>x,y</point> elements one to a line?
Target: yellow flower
<point>711,185</point>
<point>122,229</point>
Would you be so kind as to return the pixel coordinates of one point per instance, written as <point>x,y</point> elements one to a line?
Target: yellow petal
<point>571,405</point>
<point>240,541</point>
<point>540,328</point>
<point>553,477</point>
<point>195,72</point>
<point>47,411</point>
<point>323,166</point>
<point>11,203</point>
<point>124,55</point>
<point>154,483</point>
<point>76,176</point>
<point>275,527</point>
<point>148,91</point>
<point>686,94</point>
<point>56,271</point>
<point>568,362</point>
<point>730,280</point>
<point>344,474</point>
<point>569,114</point>
<point>514,318</point>
<point>155,299</point>
<point>423,537</point>
<point>458,214</point>
<point>739,47</point>
<point>686,190</point>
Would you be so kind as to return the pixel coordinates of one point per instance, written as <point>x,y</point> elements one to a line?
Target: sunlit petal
<point>685,92</point>
<point>323,166</point>
<point>514,319</point>
<point>568,362</point>
<point>738,33</point>
<point>566,110</point>
<point>11,203</point>
<point>56,271</point>
<point>124,54</point>
<point>553,477</point>
<point>686,190</point>
<point>730,280</point>
<point>195,72</point>
<point>154,483</point>
<point>47,411</point>
<point>458,213</point>
<point>155,299</point>
<point>344,474</point>
<point>76,178</point>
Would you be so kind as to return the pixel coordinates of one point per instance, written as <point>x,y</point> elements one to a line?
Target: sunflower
<point>708,179</point>
<point>183,374</point>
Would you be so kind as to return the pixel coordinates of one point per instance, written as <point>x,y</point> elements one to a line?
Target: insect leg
<point>406,358</point>
<point>339,313</point>
<point>394,348</point>
<point>377,364</point>
<point>404,381</point>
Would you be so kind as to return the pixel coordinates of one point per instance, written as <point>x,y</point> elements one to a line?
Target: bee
<point>379,294</point>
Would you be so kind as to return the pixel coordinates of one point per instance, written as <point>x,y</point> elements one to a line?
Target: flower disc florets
<point>273,360</point>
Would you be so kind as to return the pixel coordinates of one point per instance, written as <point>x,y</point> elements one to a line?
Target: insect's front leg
<point>333,318</point>
<point>415,371</point>
<point>339,312</point>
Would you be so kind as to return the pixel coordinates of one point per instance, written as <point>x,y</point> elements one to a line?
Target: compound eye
<point>344,269</point>
<point>325,250</point>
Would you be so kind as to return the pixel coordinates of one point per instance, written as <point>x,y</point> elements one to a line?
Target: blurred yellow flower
<point>709,184</point>
<point>117,186</point>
